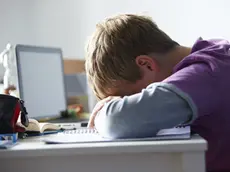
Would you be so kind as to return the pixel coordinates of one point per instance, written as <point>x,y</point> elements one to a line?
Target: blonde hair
<point>113,47</point>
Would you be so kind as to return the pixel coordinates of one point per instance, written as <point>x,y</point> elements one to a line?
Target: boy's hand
<point>96,109</point>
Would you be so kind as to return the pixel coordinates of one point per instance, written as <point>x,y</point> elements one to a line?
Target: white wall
<point>58,24</point>
<point>16,22</point>
<point>68,23</point>
<point>44,22</point>
<point>184,20</point>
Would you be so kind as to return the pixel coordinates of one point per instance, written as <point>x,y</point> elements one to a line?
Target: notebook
<point>86,135</point>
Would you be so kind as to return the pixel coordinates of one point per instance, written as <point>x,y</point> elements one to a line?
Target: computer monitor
<point>41,80</point>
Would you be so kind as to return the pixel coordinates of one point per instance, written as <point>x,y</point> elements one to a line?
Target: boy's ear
<point>146,62</point>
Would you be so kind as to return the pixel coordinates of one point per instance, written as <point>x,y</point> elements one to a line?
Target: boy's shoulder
<point>202,74</point>
<point>212,52</point>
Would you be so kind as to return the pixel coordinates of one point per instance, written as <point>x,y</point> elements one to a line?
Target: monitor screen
<point>41,80</point>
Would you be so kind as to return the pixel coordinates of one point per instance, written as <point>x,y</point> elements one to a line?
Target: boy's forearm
<point>143,114</point>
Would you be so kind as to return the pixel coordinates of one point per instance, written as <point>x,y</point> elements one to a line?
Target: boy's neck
<point>172,58</point>
<point>180,53</point>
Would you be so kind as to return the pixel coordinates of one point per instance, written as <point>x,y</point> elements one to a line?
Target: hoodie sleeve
<point>160,105</point>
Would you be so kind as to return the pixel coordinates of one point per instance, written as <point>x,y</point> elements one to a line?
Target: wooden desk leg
<point>193,161</point>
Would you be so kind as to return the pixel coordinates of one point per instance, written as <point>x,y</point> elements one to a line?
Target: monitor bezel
<point>38,49</point>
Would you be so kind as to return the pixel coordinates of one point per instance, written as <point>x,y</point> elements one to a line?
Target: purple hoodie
<point>205,76</point>
<point>198,93</point>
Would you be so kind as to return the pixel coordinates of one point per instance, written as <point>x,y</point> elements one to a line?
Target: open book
<point>39,127</point>
<point>84,135</point>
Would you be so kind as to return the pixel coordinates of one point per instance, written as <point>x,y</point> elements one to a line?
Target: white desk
<point>158,156</point>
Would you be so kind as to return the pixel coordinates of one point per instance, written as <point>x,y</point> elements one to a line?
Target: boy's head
<point>125,54</point>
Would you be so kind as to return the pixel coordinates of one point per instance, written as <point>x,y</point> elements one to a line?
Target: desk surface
<point>36,147</point>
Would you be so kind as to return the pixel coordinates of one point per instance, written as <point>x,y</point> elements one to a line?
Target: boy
<point>159,84</point>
